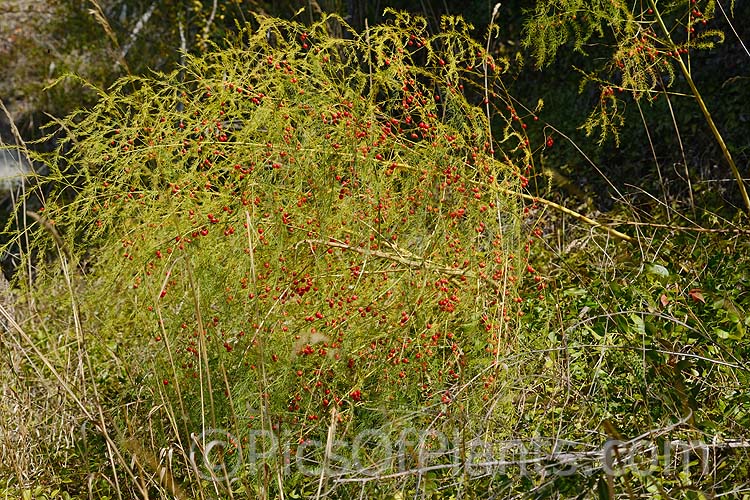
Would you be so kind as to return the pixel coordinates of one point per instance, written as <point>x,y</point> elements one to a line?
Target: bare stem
<point>704,109</point>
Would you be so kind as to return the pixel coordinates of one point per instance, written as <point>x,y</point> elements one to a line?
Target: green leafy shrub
<point>647,347</point>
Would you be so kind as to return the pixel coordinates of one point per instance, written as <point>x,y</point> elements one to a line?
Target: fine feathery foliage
<point>640,57</point>
<point>295,233</point>
<point>645,43</point>
<point>306,265</point>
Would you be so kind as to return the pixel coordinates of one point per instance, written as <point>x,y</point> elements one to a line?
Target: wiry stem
<point>701,104</point>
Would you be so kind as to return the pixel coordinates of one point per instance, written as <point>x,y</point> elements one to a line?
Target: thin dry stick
<point>682,151</point>
<point>732,26</point>
<point>506,262</point>
<point>165,477</point>
<point>626,449</point>
<point>98,14</point>
<point>66,387</point>
<point>172,364</point>
<point>495,12</point>
<point>20,142</point>
<point>573,213</point>
<point>535,199</point>
<point>250,247</point>
<point>204,354</point>
<point>52,231</point>
<point>328,451</point>
<point>656,161</point>
<point>411,261</point>
<point>688,229</point>
<point>233,414</point>
<point>263,382</point>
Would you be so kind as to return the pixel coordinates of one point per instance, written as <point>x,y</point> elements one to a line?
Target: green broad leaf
<point>740,329</point>
<point>657,270</point>
<point>722,334</point>
<point>639,326</point>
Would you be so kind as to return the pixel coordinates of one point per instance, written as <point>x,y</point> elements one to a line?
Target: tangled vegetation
<point>308,265</point>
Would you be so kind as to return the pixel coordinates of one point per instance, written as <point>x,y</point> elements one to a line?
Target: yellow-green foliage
<point>641,56</point>
<point>296,223</point>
